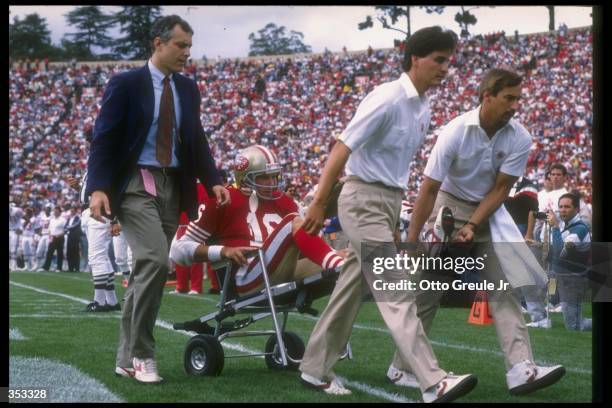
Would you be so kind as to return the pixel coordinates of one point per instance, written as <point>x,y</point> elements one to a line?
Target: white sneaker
<point>403,378</point>
<point>450,388</point>
<point>545,323</point>
<point>193,292</point>
<point>526,377</point>
<point>124,372</point>
<point>333,387</point>
<point>524,311</point>
<point>145,370</point>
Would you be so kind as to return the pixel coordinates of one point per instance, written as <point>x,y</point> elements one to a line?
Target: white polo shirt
<point>467,162</point>
<point>57,226</point>
<point>386,132</point>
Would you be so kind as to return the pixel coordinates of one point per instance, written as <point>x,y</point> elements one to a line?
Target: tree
<point>465,19</point>
<point>136,23</point>
<point>388,16</point>
<point>273,40</point>
<point>551,18</point>
<point>92,25</point>
<point>29,38</point>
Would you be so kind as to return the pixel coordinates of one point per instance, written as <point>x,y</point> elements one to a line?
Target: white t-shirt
<point>549,200</point>
<point>57,226</point>
<point>467,162</point>
<point>386,132</point>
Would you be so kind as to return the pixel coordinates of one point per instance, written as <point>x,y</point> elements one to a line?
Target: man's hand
<point>314,218</point>
<point>237,254</point>
<point>98,202</point>
<point>465,234</point>
<point>222,195</point>
<point>552,219</point>
<point>73,182</point>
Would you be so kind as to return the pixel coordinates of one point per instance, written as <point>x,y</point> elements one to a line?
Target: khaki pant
<point>149,224</point>
<point>505,308</point>
<point>368,212</point>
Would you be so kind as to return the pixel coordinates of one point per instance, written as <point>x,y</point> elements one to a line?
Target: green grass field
<point>45,310</point>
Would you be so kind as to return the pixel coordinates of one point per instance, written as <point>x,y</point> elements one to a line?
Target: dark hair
<point>497,79</point>
<point>427,40</point>
<point>163,26</point>
<point>558,166</point>
<point>573,197</point>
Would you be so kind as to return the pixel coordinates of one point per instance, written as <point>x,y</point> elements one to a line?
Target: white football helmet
<point>254,161</point>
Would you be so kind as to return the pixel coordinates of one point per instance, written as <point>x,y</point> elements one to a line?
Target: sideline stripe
<point>378,392</point>
<point>64,382</point>
<point>15,334</point>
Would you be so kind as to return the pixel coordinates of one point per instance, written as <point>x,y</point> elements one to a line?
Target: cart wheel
<point>294,347</point>
<point>203,356</point>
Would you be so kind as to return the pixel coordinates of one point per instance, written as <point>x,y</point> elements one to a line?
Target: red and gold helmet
<point>254,161</point>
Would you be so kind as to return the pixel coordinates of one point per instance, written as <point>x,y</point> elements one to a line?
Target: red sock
<point>315,249</point>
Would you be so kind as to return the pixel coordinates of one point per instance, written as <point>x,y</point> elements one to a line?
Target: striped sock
<point>111,297</point>
<point>100,289</point>
<point>314,248</point>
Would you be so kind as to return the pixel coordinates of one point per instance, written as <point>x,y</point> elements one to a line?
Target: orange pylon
<point>480,314</point>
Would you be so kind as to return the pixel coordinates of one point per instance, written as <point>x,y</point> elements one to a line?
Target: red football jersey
<point>202,196</point>
<point>247,221</point>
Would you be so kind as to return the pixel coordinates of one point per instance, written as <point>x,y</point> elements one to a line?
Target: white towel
<point>518,263</point>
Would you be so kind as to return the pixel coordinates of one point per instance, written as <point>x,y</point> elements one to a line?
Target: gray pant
<point>149,223</point>
<point>369,212</point>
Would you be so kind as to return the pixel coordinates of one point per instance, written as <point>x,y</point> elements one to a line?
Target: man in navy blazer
<point>147,151</point>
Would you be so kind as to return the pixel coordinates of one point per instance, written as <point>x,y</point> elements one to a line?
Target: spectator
<point>73,228</point>
<point>571,247</point>
<point>57,229</point>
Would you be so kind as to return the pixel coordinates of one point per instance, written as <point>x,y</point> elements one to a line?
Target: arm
<point>489,204</point>
<point>108,132</point>
<point>530,227</point>
<point>333,167</point>
<point>422,207</point>
<point>186,251</point>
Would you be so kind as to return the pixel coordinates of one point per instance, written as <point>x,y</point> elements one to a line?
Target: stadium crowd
<point>297,105</point>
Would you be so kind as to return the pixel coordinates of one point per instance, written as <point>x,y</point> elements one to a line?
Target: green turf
<point>56,328</point>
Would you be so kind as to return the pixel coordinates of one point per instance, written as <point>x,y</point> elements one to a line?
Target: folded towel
<point>518,263</point>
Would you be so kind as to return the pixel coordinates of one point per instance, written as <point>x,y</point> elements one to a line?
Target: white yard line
<point>374,391</point>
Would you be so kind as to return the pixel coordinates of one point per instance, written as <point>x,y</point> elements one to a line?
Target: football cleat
<point>95,307</point>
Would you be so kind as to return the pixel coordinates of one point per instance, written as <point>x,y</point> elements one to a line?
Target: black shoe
<point>96,307</point>
<point>115,307</point>
<point>214,291</point>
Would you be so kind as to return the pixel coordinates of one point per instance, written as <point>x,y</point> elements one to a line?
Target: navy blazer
<point>121,129</point>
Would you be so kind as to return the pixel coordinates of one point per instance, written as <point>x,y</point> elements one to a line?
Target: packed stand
<point>297,106</point>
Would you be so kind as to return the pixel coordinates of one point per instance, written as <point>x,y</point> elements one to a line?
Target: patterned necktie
<point>165,124</point>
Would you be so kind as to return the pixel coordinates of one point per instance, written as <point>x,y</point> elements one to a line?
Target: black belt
<point>164,170</point>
